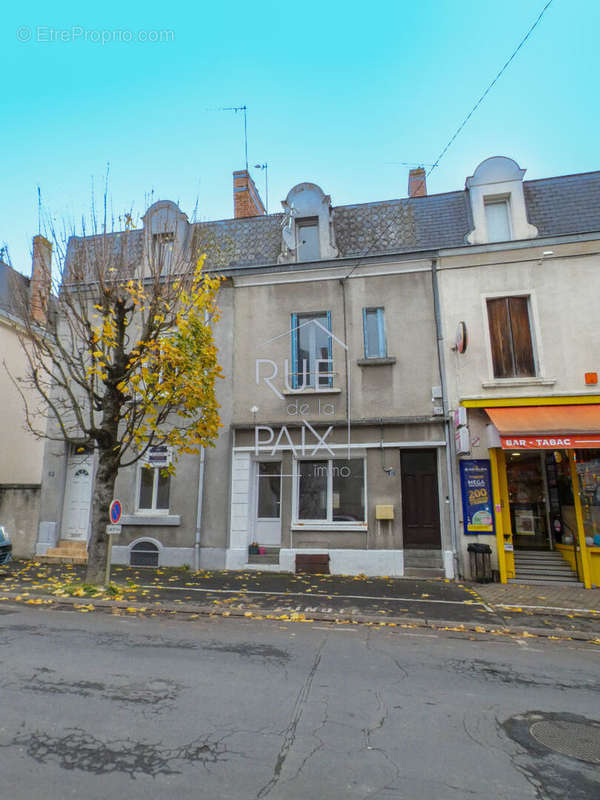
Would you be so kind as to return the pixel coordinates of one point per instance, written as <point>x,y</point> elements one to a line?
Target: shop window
<point>510,337</point>
<point>497,217</point>
<point>312,364</point>
<point>307,239</point>
<point>143,554</point>
<point>374,333</point>
<point>153,490</point>
<point>331,490</point>
<point>269,490</point>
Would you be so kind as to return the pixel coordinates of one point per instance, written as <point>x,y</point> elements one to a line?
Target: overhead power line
<point>461,126</point>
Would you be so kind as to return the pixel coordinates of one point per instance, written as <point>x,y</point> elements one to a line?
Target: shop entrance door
<point>528,501</point>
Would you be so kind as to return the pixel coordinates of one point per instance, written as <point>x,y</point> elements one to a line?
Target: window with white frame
<point>497,216</point>
<point>154,486</point>
<point>312,364</point>
<point>374,333</point>
<point>307,239</point>
<point>330,490</point>
<point>162,246</point>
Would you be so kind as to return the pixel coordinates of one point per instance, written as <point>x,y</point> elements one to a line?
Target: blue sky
<point>337,93</point>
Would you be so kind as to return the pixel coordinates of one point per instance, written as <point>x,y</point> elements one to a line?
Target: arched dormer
<point>307,231</point>
<point>498,203</point>
<point>166,236</point>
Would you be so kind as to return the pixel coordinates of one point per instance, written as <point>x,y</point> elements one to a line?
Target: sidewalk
<point>561,612</point>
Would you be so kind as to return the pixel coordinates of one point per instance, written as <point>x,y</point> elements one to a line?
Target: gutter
<point>450,471</point>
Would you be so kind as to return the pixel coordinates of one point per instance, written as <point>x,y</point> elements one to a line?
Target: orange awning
<point>547,427</point>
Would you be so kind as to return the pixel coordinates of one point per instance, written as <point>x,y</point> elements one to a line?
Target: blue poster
<point>477,499</point>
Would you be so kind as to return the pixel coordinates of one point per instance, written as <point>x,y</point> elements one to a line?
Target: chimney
<point>41,280</point>
<point>417,186</point>
<point>246,200</point>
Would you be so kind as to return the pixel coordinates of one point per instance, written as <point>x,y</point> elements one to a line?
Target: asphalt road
<point>100,706</point>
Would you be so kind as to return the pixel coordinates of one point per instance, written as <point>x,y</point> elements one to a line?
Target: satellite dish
<point>289,237</point>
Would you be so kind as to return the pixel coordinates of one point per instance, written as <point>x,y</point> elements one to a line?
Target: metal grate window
<point>144,554</point>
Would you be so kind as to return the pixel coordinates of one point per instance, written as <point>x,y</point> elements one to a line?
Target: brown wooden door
<point>420,500</point>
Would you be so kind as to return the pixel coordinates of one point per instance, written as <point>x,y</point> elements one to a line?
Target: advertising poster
<point>476,489</point>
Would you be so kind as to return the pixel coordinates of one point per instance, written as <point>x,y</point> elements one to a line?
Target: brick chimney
<point>246,200</point>
<point>417,187</point>
<point>41,280</point>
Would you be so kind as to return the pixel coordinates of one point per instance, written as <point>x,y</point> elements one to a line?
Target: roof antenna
<point>39,211</point>
<point>244,109</point>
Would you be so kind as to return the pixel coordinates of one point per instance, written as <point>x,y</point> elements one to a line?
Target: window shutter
<point>500,337</point>
<point>521,337</point>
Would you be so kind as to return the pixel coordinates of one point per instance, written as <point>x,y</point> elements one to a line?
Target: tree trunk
<point>104,486</point>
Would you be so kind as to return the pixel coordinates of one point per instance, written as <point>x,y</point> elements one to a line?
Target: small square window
<point>374,333</point>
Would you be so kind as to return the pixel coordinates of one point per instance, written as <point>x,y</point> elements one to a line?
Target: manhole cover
<point>575,739</point>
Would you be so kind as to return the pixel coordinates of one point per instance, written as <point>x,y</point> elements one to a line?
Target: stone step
<point>61,559</point>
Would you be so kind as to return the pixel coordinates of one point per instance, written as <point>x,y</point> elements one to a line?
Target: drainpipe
<point>199,512</point>
<point>450,472</point>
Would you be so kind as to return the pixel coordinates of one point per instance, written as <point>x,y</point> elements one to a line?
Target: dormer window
<point>307,227</point>
<point>307,239</point>
<point>497,217</point>
<point>498,202</point>
<point>162,249</point>
<point>167,238</point>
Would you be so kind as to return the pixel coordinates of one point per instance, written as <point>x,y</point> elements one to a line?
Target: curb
<point>47,601</point>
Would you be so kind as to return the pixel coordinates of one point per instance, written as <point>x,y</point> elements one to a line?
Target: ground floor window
<point>153,489</point>
<point>331,490</point>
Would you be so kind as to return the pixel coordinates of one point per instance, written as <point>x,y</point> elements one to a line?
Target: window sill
<point>321,390</point>
<point>498,382</point>
<point>329,526</point>
<point>376,362</point>
<point>151,519</point>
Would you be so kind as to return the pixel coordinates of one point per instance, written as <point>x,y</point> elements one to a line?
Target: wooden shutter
<point>524,364</point>
<point>500,337</point>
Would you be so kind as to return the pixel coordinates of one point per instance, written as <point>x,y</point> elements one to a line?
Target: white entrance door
<point>267,503</point>
<point>78,496</point>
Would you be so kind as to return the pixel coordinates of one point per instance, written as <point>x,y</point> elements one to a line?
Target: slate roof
<point>11,284</point>
<point>568,204</point>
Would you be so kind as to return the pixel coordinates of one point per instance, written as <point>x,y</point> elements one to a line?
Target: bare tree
<point>120,351</point>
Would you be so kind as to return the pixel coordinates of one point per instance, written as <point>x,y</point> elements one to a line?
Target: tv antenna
<point>265,166</point>
<point>244,109</point>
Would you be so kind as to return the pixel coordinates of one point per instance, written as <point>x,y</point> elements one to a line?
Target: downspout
<point>450,474</point>
<point>199,512</point>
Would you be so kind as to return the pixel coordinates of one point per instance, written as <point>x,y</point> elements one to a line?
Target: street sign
<point>115,511</point>
<point>113,530</point>
<point>159,455</point>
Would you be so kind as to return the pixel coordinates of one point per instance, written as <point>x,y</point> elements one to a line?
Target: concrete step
<point>423,572</point>
<point>536,581</point>
<point>550,576</point>
<point>423,559</point>
<point>265,559</point>
<point>66,552</point>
